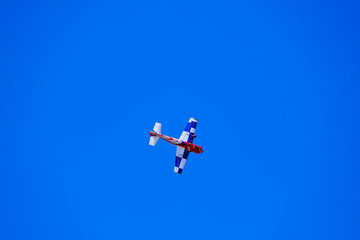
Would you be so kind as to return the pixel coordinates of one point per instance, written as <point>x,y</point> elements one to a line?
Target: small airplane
<point>184,143</point>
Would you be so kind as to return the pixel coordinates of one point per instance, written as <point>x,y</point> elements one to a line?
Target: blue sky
<point>274,86</point>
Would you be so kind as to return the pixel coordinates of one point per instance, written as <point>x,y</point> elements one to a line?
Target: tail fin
<point>157,128</point>
<point>153,137</point>
<point>153,140</point>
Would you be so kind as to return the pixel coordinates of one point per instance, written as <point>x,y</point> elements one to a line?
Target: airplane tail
<point>153,137</point>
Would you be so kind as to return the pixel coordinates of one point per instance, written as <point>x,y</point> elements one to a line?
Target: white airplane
<point>184,144</point>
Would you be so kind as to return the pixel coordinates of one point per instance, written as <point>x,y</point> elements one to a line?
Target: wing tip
<point>177,170</point>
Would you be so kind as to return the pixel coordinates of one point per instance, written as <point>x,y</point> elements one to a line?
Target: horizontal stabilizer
<point>153,137</point>
<point>157,128</point>
<point>153,140</point>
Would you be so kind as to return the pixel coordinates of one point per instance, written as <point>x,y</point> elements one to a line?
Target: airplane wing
<point>180,160</point>
<point>181,153</point>
<point>189,131</point>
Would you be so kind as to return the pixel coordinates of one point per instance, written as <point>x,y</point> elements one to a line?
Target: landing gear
<point>193,138</point>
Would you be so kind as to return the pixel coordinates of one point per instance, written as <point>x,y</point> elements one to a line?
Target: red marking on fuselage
<point>188,146</point>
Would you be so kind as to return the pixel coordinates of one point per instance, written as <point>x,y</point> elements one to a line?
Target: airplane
<point>184,145</point>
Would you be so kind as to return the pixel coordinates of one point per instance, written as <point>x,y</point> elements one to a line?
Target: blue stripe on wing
<point>179,159</point>
<point>188,127</point>
<point>186,154</point>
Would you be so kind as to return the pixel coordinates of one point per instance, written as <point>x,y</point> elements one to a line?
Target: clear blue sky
<point>274,85</point>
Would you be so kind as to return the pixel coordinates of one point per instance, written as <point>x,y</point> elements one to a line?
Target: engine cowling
<point>195,148</point>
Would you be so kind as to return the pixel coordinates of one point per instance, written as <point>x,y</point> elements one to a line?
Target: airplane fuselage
<point>188,146</point>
